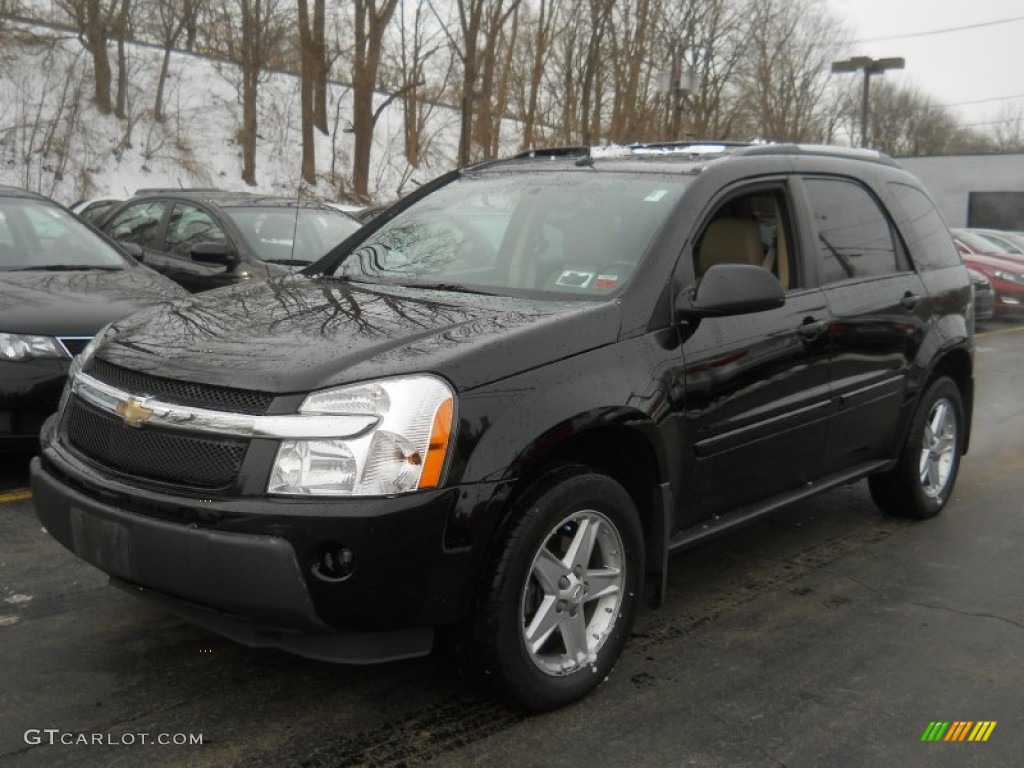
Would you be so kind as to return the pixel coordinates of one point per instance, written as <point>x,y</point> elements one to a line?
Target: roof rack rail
<point>683,145</point>
<point>552,152</point>
<point>164,190</point>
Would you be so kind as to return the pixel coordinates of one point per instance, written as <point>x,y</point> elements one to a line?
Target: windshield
<point>35,234</point>
<point>1005,242</point>
<point>564,233</point>
<point>290,234</point>
<point>979,244</point>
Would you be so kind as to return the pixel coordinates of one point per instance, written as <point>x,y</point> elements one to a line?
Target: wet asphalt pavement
<point>828,635</point>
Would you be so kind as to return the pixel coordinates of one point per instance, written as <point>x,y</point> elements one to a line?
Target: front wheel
<point>565,590</point>
<point>922,482</point>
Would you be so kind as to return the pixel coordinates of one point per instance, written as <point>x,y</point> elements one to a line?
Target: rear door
<point>879,308</point>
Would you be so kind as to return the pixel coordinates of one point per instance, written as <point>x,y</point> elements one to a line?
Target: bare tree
<point>1008,129</point>
<point>371,21</point>
<point>538,47</point>
<point>783,78</point>
<point>120,29</point>
<point>499,28</point>
<point>408,57</point>
<point>307,85</point>
<point>322,66</point>
<point>629,48</point>
<point>173,18</point>
<point>253,33</point>
<point>95,20</point>
<point>716,39</point>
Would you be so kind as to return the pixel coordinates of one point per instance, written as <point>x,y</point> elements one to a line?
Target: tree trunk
<point>322,67</point>
<point>191,25</point>
<point>540,42</point>
<point>250,84</point>
<point>158,106</point>
<point>96,43</point>
<point>371,22</point>
<point>121,29</point>
<point>308,75</point>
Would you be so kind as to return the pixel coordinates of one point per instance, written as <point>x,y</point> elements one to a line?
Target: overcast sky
<point>952,67</point>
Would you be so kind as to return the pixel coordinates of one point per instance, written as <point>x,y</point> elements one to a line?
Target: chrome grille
<point>181,392</point>
<point>156,454</point>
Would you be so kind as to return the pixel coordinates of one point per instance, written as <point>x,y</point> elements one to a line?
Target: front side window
<point>751,228</point>
<point>138,223</point>
<point>580,233</point>
<point>854,236</point>
<point>190,225</point>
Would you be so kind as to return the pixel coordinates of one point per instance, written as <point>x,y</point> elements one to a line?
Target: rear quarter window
<point>923,228</point>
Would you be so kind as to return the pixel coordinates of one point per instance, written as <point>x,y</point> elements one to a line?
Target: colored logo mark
<point>959,730</point>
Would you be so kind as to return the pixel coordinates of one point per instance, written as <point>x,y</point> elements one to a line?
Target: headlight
<point>16,347</point>
<point>404,452</point>
<point>1011,277</point>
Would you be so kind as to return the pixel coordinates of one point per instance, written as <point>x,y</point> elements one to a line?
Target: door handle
<point>811,329</point>
<point>909,300</point>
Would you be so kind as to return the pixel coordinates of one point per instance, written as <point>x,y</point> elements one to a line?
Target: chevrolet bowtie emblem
<point>134,413</point>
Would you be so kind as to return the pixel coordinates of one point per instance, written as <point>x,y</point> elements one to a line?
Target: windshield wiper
<point>67,268</point>
<point>290,262</point>
<point>454,287</point>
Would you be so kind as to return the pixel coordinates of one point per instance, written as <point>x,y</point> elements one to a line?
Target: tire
<point>923,479</point>
<point>553,621</point>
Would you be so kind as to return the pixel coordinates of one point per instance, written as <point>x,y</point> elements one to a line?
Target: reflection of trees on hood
<point>313,308</point>
<point>298,321</point>
<point>41,289</point>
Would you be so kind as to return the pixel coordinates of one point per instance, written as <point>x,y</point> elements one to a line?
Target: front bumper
<point>248,568</point>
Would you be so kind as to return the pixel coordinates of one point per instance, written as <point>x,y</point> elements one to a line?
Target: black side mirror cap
<point>213,253</point>
<point>132,249</point>
<point>731,289</point>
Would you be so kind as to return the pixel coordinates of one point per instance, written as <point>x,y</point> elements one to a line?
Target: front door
<point>756,386</point>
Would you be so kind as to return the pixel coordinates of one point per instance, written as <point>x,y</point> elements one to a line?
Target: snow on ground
<point>54,141</point>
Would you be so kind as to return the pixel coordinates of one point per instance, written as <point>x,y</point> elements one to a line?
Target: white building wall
<point>949,179</point>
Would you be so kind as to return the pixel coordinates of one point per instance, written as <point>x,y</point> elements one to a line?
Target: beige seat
<point>730,241</point>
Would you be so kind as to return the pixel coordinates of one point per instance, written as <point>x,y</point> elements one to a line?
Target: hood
<point>297,334</point>
<point>77,303</point>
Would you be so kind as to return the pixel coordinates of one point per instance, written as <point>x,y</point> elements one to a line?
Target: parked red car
<point>1006,276</point>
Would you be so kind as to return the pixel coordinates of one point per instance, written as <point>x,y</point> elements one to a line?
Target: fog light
<point>335,564</point>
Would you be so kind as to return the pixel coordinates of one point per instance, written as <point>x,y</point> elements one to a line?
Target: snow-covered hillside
<point>54,141</point>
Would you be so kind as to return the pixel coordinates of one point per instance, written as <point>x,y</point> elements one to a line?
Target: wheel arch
<point>957,364</point>
<point>624,446</point>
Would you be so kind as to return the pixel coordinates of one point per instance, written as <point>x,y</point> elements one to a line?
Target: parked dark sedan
<point>205,239</point>
<point>60,283</point>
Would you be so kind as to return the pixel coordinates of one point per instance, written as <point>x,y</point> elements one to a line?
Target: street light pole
<point>870,67</point>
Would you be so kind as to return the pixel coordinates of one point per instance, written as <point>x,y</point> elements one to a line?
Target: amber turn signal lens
<point>438,446</point>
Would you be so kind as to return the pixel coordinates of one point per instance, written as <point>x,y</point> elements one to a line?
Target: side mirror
<point>731,289</point>
<point>132,249</point>
<point>213,253</point>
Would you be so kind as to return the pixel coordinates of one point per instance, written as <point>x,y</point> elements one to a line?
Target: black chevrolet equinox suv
<point>501,405</point>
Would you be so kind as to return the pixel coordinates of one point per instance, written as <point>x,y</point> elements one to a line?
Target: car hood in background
<point>79,302</point>
<point>297,334</point>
